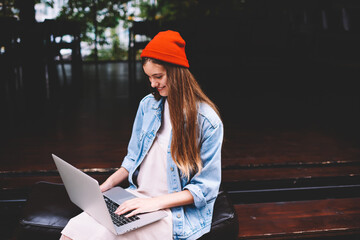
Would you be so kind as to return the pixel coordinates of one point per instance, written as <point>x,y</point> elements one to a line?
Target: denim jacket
<point>189,221</point>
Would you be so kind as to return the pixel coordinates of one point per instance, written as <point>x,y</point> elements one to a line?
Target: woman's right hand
<point>105,186</point>
<point>116,178</point>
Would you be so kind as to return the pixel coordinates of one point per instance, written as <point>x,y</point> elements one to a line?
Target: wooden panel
<point>260,174</point>
<point>14,182</point>
<point>266,148</point>
<point>281,220</point>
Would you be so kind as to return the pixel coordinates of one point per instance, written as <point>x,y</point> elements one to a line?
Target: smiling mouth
<point>160,88</point>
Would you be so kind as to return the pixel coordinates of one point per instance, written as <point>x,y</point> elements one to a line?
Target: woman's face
<point>157,77</point>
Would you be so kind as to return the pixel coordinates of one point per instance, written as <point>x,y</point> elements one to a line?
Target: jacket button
<point>178,215</point>
<point>172,169</point>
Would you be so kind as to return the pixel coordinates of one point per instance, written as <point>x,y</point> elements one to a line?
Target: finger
<point>121,210</point>
<point>133,213</point>
<point>117,210</point>
<point>125,208</point>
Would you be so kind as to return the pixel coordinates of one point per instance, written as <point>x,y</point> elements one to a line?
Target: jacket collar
<point>158,104</point>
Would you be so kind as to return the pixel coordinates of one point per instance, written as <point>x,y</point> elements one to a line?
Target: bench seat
<point>48,209</point>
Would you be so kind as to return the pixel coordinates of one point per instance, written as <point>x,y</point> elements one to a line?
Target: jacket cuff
<point>199,199</point>
<point>127,164</point>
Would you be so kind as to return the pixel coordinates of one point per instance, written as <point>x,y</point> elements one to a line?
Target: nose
<point>153,83</point>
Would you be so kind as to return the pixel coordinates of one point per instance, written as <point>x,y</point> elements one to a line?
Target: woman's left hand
<point>142,205</point>
<point>138,205</point>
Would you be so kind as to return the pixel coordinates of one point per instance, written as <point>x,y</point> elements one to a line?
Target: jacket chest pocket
<point>146,139</point>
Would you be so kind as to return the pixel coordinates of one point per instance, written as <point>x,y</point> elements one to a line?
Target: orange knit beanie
<point>167,46</point>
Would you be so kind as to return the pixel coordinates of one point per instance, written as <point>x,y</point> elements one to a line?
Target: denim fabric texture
<point>190,221</point>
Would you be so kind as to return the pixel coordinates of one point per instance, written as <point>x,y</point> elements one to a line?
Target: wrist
<point>107,184</point>
<point>161,202</point>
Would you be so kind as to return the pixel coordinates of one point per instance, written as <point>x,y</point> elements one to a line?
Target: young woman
<point>174,154</point>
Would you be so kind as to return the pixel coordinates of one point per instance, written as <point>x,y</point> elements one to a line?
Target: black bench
<point>48,209</point>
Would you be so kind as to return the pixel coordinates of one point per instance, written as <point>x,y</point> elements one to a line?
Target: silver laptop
<point>84,191</point>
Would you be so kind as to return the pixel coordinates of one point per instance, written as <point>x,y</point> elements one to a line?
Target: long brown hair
<point>184,94</point>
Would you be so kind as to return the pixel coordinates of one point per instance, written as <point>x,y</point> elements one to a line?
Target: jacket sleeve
<point>133,146</point>
<point>204,186</point>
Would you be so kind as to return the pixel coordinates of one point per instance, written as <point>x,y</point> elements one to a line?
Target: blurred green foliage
<point>117,52</point>
<point>9,8</point>
<point>97,16</point>
<point>94,17</point>
<point>171,10</point>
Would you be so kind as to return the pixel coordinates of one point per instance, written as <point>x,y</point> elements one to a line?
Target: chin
<point>163,93</point>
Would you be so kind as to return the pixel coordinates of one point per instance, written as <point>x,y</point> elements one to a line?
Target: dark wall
<point>279,62</point>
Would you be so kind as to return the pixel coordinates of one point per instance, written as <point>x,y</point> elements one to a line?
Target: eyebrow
<point>155,74</point>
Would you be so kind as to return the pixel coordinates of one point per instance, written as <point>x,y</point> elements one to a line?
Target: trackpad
<point>119,195</point>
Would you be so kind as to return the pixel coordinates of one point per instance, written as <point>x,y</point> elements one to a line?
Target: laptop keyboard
<point>118,220</point>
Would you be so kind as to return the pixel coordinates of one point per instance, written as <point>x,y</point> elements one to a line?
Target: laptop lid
<point>84,191</point>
